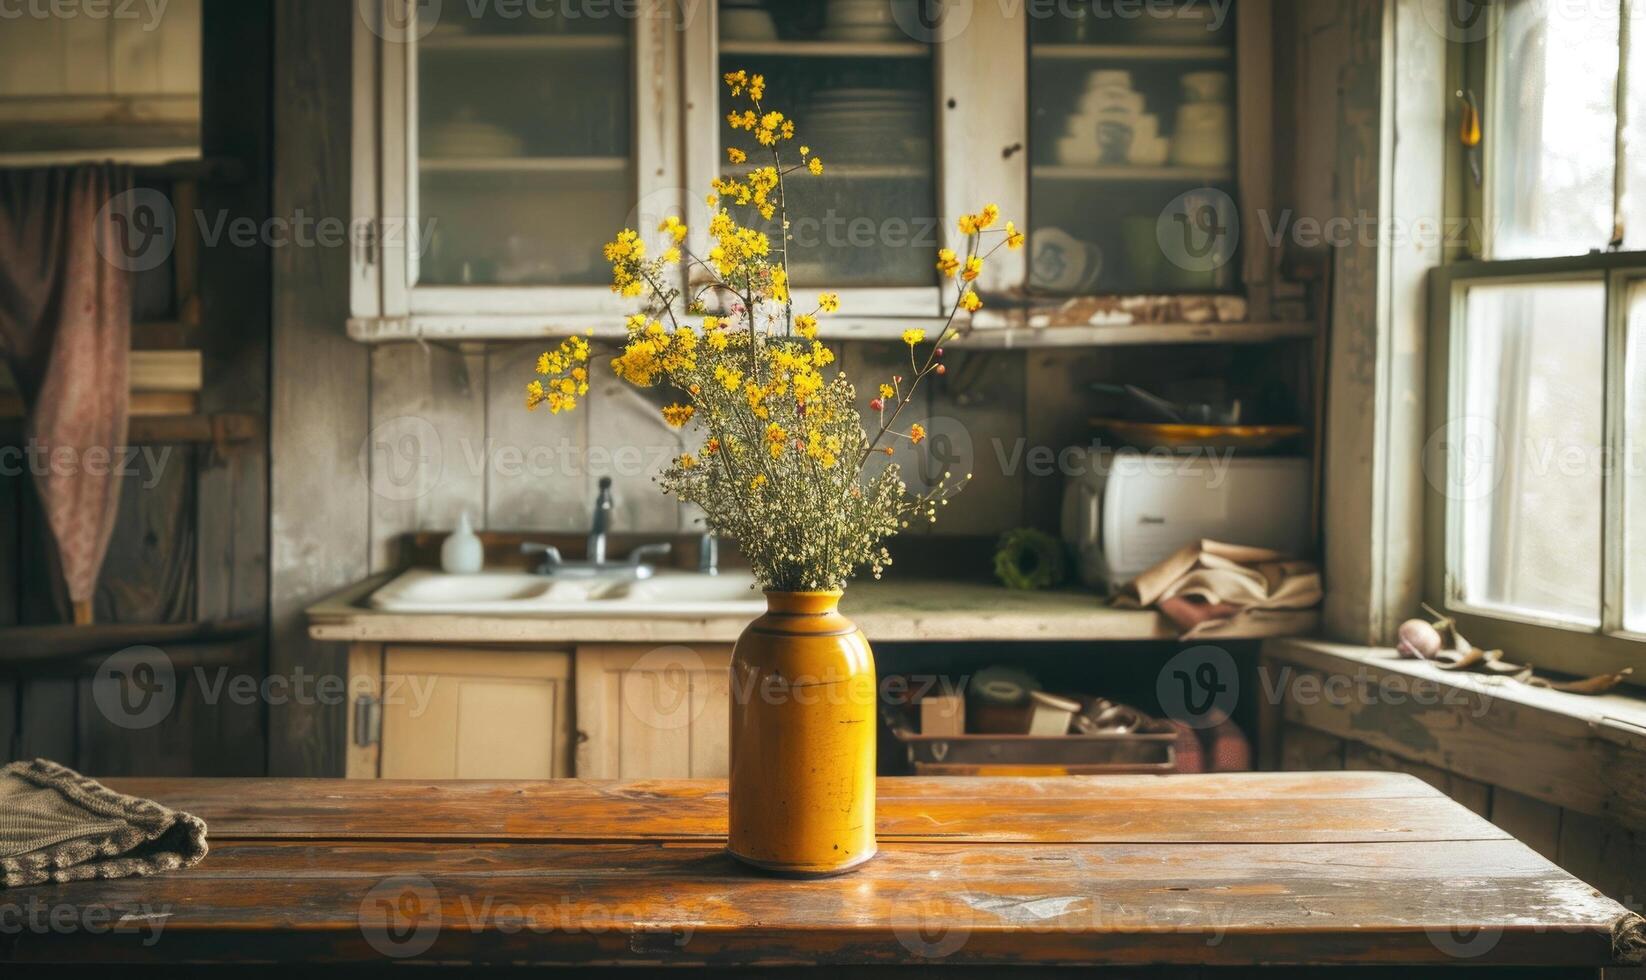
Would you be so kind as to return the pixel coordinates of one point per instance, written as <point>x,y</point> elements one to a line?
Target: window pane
<point>521,184</point>
<point>1552,129</point>
<point>1527,465</point>
<point>1132,135</point>
<point>861,94</point>
<point>1633,467</point>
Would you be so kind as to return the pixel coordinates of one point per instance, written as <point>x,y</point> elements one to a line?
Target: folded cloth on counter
<point>1209,587</point>
<point>57,825</point>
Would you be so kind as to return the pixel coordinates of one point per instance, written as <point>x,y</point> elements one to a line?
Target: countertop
<point>1219,871</point>
<point>888,611</point>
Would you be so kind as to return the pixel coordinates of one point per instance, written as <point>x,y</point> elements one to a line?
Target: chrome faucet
<point>639,564</point>
<point>708,554</point>
<point>601,523</point>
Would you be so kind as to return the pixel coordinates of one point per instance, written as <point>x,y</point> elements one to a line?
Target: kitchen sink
<point>667,594</point>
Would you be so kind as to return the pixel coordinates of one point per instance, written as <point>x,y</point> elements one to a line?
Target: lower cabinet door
<point>476,714</point>
<point>653,712</point>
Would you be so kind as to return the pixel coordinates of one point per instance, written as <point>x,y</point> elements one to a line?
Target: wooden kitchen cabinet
<point>646,712</point>
<point>607,711</point>
<point>455,713</point>
<point>485,208</point>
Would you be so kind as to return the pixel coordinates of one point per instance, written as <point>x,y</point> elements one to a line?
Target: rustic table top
<point>1226,870</point>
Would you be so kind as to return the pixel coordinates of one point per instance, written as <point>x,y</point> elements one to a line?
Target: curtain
<point>65,332</point>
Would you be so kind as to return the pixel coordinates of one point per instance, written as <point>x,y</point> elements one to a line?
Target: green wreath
<point>1029,560</point>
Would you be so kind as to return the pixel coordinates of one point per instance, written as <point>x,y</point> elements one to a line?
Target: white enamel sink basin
<point>668,594</point>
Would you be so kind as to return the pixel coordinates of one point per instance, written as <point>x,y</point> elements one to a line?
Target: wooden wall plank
<point>1607,856</point>
<point>1056,414</point>
<point>630,442</point>
<point>428,427</point>
<point>149,572</point>
<point>8,720</point>
<point>11,546</point>
<point>320,515</point>
<point>1475,796</point>
<point>1305,750</point>
<point>536,463</point>
<point>47,726</point>
<point>976,409</point>
<point>1351,54</point>
<point>1534,822</point>
<point>235,301</point>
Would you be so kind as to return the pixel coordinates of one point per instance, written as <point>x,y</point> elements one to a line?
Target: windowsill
<point>1623,709</point>
<point>1584,753</point>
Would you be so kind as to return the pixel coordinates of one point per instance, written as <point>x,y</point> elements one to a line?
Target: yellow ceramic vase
<point>802,739</point>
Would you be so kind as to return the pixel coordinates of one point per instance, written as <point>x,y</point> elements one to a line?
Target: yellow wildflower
<point>712,446</point>
<point>828,302</point>
<point>974,268</point>
<point>675,227</point>
<point>687,461</point>
<point>804,149</point>
<point>776,437</point>
<point>947,263</point>
<point>815,165</point>
<point>887,391</point>
<point>971,302</point>
<point>678,415</point>
<point>913,336</point>
<point>736,155</point>
<point>758,481</point>
<point>806,325</point>
<point>991,214</point>
<point>917,433</point>
<point>780,284</point>
<point>1014,238</point>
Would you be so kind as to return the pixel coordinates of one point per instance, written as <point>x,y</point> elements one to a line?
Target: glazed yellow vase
<point>802,739</point>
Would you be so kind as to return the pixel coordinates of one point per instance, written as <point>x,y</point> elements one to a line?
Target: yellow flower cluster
<point>653,351</point>
<point>781,465</point>
<point>567,374</point>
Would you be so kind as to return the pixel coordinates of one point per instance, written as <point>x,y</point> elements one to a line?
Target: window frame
<point>1543,641</point>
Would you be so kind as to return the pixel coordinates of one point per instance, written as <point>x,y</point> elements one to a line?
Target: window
<point>1537,461</point>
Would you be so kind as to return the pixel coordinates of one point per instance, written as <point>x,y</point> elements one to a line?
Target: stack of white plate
<point>866,123</point>
<point>861,20</point>
<point>468,138</point>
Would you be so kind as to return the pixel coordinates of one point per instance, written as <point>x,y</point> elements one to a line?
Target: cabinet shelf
<point>501,327</point>
<point>1121,173</point>
<point>826,49</point>
<point>505,43</point>
<point>848,171</point>
<point>1131,52</point>
<point>523,165</point>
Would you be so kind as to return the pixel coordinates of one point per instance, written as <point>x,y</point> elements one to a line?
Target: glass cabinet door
<point>1132,139</point>
<point>861,94</point>
<point>522,159</point>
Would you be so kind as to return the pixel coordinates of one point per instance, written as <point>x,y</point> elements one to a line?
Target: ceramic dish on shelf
<point>1182,435</point>
<point>466,139</point>
<point>746,21</point>
<point>1062,263</point>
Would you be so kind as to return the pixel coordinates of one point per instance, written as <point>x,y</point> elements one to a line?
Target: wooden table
<point>1145,875</point>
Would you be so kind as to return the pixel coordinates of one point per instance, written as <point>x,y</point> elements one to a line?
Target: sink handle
<point>551,556</point>
<point>639,555</point>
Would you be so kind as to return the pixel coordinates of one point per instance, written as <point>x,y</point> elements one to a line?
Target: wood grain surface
<point>1354,868</point>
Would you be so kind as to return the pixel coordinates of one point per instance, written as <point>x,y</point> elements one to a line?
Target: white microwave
<point>1125,512</point>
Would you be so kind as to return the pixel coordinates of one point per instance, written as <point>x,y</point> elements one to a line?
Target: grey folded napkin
<point>57,825</point>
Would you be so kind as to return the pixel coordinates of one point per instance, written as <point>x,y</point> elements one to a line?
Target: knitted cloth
<point>57,825</point>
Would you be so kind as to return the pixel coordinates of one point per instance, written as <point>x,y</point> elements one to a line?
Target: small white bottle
<point>461,553</point>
